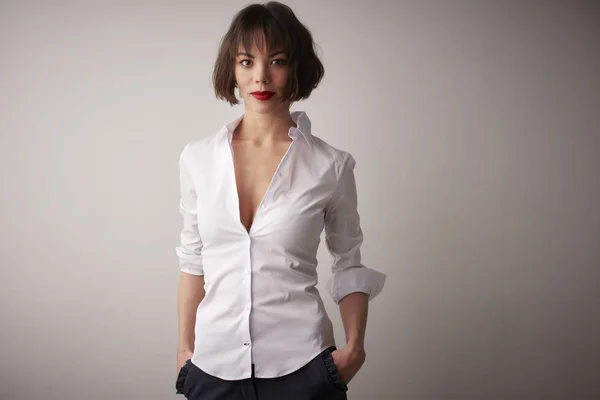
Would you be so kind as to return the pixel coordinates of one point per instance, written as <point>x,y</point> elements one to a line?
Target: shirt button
<point>247,344</point>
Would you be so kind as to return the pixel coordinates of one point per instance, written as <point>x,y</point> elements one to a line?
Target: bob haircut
<point>275,25</point>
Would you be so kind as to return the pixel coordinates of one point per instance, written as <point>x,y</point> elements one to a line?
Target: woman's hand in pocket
<point>348,361</point>
<point>182,357</point>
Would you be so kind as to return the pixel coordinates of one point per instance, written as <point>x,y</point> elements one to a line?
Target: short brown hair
<point>280,27</point>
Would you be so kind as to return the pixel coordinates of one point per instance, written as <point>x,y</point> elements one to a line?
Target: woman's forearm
<point>190,293</point>
<point>354,309</point>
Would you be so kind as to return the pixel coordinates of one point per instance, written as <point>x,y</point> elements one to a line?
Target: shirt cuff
<point>190,263</point>
<point>355,279</point>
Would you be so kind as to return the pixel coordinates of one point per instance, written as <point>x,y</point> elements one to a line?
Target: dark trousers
<point>317,380</point>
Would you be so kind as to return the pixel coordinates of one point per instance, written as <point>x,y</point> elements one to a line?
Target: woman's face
<point>266,72</point>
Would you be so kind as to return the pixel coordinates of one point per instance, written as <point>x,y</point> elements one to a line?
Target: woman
<point>255,198</point>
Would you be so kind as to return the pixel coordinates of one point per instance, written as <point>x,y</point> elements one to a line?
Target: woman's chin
<point>264,107</point>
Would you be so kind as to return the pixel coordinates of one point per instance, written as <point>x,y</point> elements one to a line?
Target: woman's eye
<point>279,62</point>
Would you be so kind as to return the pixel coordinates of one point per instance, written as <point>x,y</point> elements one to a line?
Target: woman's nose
<point>262,75</point>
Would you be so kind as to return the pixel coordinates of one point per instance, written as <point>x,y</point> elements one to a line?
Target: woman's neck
<point>264,128</point>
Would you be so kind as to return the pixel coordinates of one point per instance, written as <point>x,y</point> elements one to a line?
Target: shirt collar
<point>300,118</point>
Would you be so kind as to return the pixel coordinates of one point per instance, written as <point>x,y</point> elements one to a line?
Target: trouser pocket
<point>183,372</point>
<point>332,371</point>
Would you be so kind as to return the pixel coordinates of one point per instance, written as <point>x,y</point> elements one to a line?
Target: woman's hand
<point>348,361</point>
<point>182,357</point>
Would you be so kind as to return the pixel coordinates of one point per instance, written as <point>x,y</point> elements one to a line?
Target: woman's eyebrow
<point>252,56</point>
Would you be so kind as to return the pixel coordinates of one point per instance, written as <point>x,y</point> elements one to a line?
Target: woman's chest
<point>255,169</point>
<point>283,201</point>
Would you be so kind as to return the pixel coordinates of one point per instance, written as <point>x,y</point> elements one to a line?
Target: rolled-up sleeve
<point>190,249</point>
<point>344,237</point>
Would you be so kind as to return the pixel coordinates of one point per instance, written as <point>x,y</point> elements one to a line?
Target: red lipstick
<point>262,96</point>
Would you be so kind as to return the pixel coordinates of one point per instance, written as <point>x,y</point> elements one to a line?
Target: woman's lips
<point>262,96</point>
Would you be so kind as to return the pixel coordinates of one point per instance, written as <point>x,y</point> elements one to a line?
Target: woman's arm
<point>190,293</point>
<point>354,309</point>
<point>352,285</point>
<point>344,237</point>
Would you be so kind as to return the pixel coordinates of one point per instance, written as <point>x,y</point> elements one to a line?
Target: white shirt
<point>261,305</point>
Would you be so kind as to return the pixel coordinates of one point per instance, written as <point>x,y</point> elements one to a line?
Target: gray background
<point>475,127</point>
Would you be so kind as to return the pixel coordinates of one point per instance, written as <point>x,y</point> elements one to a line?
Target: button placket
<point>248,276</point>
<point>278,188</point>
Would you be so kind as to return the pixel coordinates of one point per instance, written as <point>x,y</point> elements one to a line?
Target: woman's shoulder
<point>199,148</point>
<point>336,156</point>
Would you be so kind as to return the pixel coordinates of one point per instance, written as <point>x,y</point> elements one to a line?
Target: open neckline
<point>264,196</point>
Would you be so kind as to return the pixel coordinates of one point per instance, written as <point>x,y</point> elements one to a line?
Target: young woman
<point>255,198</point>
